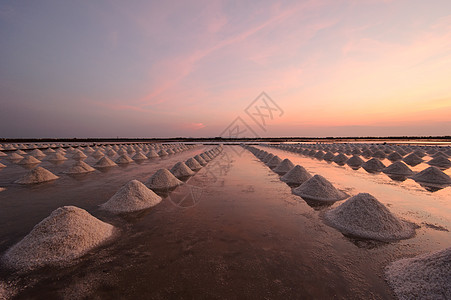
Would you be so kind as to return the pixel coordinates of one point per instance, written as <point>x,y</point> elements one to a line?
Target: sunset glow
<point>189,68</point>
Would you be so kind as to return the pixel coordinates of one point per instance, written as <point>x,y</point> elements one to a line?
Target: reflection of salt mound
<point>285,166</point>
<point>373,165</point>
<point>423,277</point>
<point>29,160</point>
<point>412,159</point>
<point>105,162</point>
<point>80,167</point>
<point>432,175</point>
<point>365,217</point>
<point>68,233</point>
<point>297,175</point>
<point>37,175</point>
<point>152,154</point>
<point>124,159</point>
<point>319,188</point>
<point>274,162</point>
<point>193,164</point>
<point>163,179</point>
<point>398,168</point>
<point>180,169</point>
<point>132,197</point>
<point>440,161</point>
<point>355,161</point>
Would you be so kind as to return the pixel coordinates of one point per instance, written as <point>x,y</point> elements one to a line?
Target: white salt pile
<point>440,161</point>
<point>398,168</point>
<point>80,167</point>
<point>29,160</point>
<point>285,166</point>
<point>37,175</point>
<point>124,159</point>
<point>373,165</point>
<point>432,175</point>
<point>68,233</point>
<point>152,154</point>
<point>56,157</point>
<point>205,157</point>
<point>423,277</point>
<point>105,162</point>
<point>111,152</point>
<point>297,175</point>
<point>319,188</point>
<point>37,153</point>
<point>267,157</point>
<point>329,156</point>
<point>412,159</point>
<point>170,151</point>
<point>354,161</point>
<point>133,196</point>
<point>2,165</point>
<point>163,179</point>
<point>180,170</point>
<point>274,162</point>
<point>3,154</point>
<point>365,217</point>
<point>193,164</point>
<point>98,153</point>
<point>139,156</point>
<point>200,160</point>
<point>79,155</point>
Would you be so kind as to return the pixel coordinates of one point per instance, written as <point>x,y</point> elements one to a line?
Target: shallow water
<point>233,230</point>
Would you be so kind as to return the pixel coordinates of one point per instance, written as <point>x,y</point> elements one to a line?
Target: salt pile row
<point>398,170</point>
<point>361,216</point>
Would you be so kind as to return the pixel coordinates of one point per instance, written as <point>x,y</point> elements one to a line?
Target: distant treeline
<point>221,139</point>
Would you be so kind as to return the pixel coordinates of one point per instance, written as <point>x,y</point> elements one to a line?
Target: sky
<point>199,68</point>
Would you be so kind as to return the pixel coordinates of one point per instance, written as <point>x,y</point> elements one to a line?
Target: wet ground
<point>234,230</point>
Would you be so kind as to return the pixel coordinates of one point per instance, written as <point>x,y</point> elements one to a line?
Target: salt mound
<point>15,156</point>
<point>285,166</point>
<point>340,159</point>
<point>180,169</point>
<point>200,160</point>
<point>163,179</point>
<point>440,161</point>
<point>37,175</point>
<point>152,154</point>
<point>319,155</point>
<point>365,217</point>
<point>139,156</point>
<point>267,157</point>
<point>432,175</point>
<point>423,277</point>
<point>29,160</point>
<point>394,156</point>
<point>274,162</point>
<point>37,153</point>
<point>379,154</point>
<point>3,154</point>
<point>297,175</point>
<point>80,167</point>
<point>105,162</point>
<point>355,161</point>
<point>412,159</point>
<point>98,153</point>
<point>205,156</point>
<point>162,153</point>
<point>170,151</point>
<point>193,164</point>
<point>68,233</point>
<point>131,197</point>
<point>373,165</point>
<point>398,168</point>
<point>319,188</point>
<point>329,156</point>
<point>2,165</point>
<point>124,159</point>
<point>79,155</point>
<point>56,157</point>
